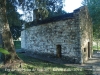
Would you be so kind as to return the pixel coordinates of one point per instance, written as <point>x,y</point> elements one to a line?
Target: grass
<point>95,48</point>
<point>38,67</point>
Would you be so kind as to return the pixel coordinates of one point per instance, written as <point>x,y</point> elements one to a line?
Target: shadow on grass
<point>37,63</point>
<point>40,63</point>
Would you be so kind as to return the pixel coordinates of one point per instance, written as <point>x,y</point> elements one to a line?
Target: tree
<point>6,35</point>
<point>94,10</point>
<point>48,8</point>
<point>13,19</point>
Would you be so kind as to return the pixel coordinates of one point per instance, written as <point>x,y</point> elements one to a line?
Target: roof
<point>53,19</point>
<point>57,18</point>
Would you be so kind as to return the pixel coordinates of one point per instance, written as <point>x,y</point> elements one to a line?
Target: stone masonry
<point>70,36</point>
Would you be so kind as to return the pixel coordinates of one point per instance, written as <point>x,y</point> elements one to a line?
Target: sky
<point>71,5</point>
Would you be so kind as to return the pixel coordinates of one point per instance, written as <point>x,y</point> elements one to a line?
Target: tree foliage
<point>94,10</point>
<point>42,8</point>
<point>12,15</point>
<point>13,18</point>
<point>50,7</point>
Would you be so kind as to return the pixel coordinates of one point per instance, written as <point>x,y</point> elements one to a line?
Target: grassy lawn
<point>38,67</point>
<point>95,48</point>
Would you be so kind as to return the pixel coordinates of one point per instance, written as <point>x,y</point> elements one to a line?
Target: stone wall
<point>70,34</point>
<point>85,33</point>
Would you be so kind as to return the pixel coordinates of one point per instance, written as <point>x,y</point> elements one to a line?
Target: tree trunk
<point>6,35</point>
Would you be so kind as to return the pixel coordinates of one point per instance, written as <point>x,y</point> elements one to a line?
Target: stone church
<point>68,35</point>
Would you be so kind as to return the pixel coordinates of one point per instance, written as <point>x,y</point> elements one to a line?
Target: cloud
<point>71,5</point>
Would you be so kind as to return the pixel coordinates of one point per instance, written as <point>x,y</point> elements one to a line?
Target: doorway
<point>58,50</point>
<point>89,52</point>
